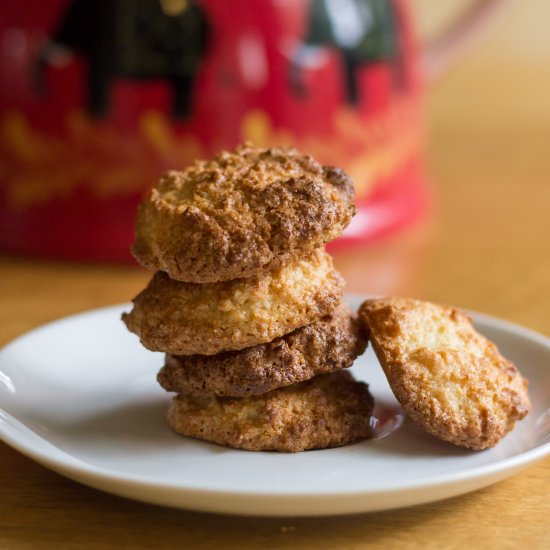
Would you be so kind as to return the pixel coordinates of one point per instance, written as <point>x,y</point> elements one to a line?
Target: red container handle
<point>439,55</point>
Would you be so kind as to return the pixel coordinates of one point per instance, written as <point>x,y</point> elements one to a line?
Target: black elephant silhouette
<point>363,31</point>
<point>134,39</point>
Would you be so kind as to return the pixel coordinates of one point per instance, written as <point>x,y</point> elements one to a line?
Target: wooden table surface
<point>486,247</point>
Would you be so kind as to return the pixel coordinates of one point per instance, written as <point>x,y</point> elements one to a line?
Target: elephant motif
<point>363,31</point>
<point>133,39</point>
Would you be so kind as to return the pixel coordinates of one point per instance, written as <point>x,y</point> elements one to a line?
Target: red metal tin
<point>98,97</point>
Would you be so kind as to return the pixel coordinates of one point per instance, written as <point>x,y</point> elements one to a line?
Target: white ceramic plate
<point>79,396</point>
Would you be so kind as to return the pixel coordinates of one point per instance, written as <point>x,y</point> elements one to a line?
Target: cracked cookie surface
<point>330,410</point>
<point>448,378</point>
<point>186,318</point>
<point>241,213</point>
<point>329,344</point>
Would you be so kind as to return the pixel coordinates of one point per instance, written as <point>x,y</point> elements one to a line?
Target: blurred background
<point>488,129</point>
<point>452,173</point>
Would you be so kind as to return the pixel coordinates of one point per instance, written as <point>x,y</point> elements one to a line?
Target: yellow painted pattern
<point>37,167</point>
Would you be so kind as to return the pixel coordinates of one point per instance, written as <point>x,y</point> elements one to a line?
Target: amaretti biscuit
<point>329,410</point>
<point>448,378</point>
<point>185,318</point>
<point>243,212</point>
<point>329,344</point>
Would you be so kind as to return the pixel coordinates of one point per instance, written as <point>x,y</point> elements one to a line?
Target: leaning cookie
<point>241,213</point>
<point>327,345</point>
<point>330,410</point>
<point>186,318</point>
<point>448,378</point>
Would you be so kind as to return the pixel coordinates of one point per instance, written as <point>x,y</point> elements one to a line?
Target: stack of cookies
<point>246,303</point>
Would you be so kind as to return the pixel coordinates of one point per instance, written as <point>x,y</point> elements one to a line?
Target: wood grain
<point>486,247</point>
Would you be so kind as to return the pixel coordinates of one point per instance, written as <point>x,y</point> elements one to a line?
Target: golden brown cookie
<point>241,213</point>
<point>186,318</point>
<point>329,344</point>
<point>330,410</point>
<point>448,378</point>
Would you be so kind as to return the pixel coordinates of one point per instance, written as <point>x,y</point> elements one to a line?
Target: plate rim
<point>74,468</point>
